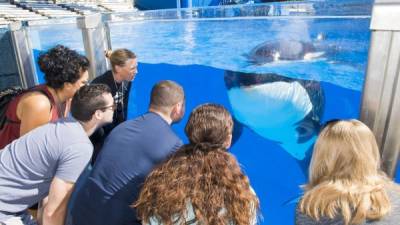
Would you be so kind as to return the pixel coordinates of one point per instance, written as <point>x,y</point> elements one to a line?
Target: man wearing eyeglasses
<point>48,160</point>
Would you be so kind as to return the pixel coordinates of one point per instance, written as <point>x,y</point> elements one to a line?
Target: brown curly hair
<point>203,174</point>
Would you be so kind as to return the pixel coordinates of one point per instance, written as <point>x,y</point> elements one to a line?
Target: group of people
<point>70,147</point>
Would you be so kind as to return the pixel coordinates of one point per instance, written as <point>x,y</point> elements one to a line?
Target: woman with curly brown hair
<point>201,183</point>
<point>65,71</point>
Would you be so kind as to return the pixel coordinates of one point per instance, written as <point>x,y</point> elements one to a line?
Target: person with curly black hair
<point>65,72</point>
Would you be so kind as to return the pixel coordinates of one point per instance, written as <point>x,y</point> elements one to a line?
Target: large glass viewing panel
<point>46,34</point>
<point>8,65</point>
<point>282,69</point>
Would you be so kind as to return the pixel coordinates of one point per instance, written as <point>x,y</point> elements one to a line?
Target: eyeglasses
<point>113,107</point>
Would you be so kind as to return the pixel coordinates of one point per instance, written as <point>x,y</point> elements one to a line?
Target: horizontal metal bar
<point>386,16</point>
<point>71,20</point>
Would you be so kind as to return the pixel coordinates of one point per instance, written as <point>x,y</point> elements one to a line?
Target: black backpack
<point>6,96</point>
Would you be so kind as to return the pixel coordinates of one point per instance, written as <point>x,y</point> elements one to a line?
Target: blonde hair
<point>345,176</point>
<point>119,57</point>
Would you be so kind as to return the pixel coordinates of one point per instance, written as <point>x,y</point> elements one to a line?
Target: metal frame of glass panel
<point>381,96</point>
<point>24,50</point>
<point>96,41</point>
<point>23,55</point>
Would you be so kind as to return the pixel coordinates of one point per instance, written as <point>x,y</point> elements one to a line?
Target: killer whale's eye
<point>306,129</point>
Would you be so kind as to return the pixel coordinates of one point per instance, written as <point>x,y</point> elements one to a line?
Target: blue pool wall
<point>205,84</point>
<point>279,188</point>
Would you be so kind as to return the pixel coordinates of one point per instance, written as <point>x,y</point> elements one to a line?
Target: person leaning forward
<point>124,67</point>
<point>129,154</point>
<point>65,71</point>
<point>48,160</point>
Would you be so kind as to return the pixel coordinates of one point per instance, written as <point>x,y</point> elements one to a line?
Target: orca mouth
<point>239,79</point>
<point>249,83</point>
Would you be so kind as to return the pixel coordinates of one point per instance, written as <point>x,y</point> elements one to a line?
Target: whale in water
<point>283,50</point>
<point>277,108</point>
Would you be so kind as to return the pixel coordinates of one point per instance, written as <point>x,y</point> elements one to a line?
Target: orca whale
<point>283,50</point>
<point>277,108</point>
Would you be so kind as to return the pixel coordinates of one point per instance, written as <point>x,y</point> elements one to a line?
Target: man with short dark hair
<point>48,160</point>
<point>129,154</point>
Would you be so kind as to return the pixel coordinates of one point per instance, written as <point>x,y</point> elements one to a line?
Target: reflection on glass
<point>8,66</point>
<point>45,37</point>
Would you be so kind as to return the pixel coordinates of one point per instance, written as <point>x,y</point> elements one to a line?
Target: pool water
<point>226,44</point>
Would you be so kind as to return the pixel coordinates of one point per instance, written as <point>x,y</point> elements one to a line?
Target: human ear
<point>227,143</point>
<point>177,112</point>
<point>98,114</point>
<point>174,112</point>
<point>67,86</point>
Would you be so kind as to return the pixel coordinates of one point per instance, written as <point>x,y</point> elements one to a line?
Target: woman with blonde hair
<point>123,71</point>
<point>346,184</point>
<point>201,183</point>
